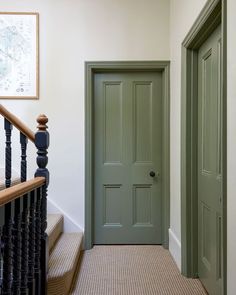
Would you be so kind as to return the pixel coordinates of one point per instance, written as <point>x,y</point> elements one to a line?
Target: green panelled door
<point>209,164</point>
<point>128,152</point>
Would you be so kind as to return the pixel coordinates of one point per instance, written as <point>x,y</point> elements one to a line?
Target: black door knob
<point>152,174</point>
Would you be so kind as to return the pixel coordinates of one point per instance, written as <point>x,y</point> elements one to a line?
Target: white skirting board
<point>70,226</point>
<point>175,248</point>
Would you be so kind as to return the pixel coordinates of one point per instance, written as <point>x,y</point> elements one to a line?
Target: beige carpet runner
<point>64,249</point>
<point>131,270</point>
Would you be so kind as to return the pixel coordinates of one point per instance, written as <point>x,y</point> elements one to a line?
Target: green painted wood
<point>91,68</point>
<point>128,146</point>
<point>211,16</point>
<point>224,144</point>
<point>210,164</point>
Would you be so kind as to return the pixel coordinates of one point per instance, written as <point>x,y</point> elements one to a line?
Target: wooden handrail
<point>10,194</point>
<point>17,123</point>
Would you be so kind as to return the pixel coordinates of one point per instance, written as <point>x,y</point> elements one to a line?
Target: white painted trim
<point>69,224</point>
<point>175,248</point>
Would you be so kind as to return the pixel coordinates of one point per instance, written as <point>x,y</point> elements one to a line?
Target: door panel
<point>142,206</point>
<point>113,123</point>
<point>209,163</point>
<point>127,147</point>
<point>112,205</point>
<point>143,122</point>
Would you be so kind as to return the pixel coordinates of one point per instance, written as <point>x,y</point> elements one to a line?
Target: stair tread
<point>63,261</point>
<point>54,228</point>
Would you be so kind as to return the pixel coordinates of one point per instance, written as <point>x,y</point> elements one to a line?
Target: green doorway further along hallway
<point>128,158</point>
<point>204,147</point>
<point>127,162</point>
<point>209,164</point>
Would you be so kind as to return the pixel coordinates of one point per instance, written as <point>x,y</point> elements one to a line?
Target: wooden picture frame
<point>19,55</point>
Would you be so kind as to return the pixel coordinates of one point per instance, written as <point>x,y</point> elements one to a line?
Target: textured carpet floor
<point>131,270</point>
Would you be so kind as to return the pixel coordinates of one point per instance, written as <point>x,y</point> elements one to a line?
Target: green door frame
<point>91,68</point>
<point>210,17</point>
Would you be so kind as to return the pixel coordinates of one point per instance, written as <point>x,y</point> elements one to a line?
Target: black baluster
<point>17,246</point>
<point>7,251</point>
<point>23,142</point>
<point>7,228</point>
<point>25,245</point>
<point>24,221</point>
<point>32,233</point>
<point>42,144</point>
<point>2,220</point>
<point>17,223</point>
<point>38,241</point>
<point>8,131</point>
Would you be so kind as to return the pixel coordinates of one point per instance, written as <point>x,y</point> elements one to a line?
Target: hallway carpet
<point>131,270</point>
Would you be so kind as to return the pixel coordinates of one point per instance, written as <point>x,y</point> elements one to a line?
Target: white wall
<point>72,32</point>
<point>231,142</point>
<point>182,16</point>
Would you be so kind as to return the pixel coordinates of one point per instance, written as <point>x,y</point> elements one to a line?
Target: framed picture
<point>19,55</point>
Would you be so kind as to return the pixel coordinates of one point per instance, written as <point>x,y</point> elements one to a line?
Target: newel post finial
<point>42,121</point>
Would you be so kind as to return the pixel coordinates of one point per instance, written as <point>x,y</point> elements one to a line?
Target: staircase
<point>64,252</point>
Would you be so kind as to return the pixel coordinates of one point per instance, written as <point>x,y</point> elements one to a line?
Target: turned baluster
<point>23,142</point>
<point>8,168</point>
<point>2,220</point>
<point>38,240</point>
<point>42,144</point>
<point>17,223</point>
<point>25,220</point>
<point>7,228</point>
<point>32,237</point>
<point>25,245</point>
<point>17,246</point>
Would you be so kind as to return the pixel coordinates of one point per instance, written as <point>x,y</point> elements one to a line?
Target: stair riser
<point>55,229</point>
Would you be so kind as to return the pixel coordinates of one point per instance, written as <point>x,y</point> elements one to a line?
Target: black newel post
<point>42,144</point>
